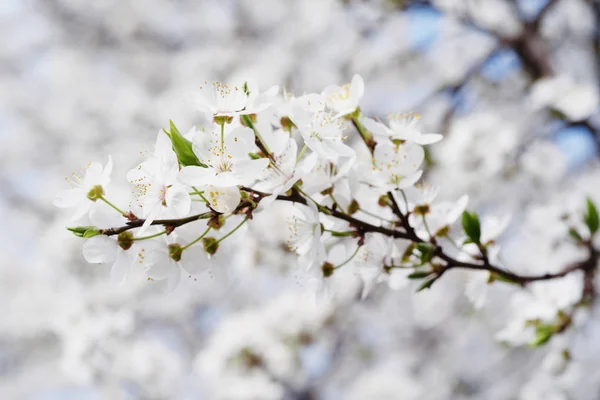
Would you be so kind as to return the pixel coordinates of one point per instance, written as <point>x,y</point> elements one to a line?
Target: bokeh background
<point>512,85</point>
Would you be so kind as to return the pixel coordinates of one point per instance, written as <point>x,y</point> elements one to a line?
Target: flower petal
<point>100,249</point>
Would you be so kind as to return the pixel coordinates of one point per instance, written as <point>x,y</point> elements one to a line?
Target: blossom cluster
<point>356,185</point>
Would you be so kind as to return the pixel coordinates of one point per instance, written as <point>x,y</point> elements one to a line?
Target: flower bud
<point>95,193</point>
<point>211,245</point>
<point>383,201</point>
<point>125,240</point>
<point>175,251</point>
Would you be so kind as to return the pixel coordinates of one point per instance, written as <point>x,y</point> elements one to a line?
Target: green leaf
<point>543,333</point>
<point>183,148</point>
<point>91,233</point>
<point>426,250</point>
<point>427,284</point>
<point>575,235</point>
<point>419,274</point>
<point>80,231</point>
<point>591,218</point>
<point>471,226</point>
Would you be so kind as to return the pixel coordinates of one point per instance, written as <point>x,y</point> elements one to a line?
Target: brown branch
<point>167,223</point>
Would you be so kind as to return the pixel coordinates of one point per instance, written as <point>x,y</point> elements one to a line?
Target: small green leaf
<point>426,250</point>
<point>183,148</point>
<point>91,233</point>
<point>427,284</point>
<point>543,333</point>
<point>80,231</point>
<point>419,274</point>
<point>591,218</point>
<point>575,235</point>
<point>471,226</point>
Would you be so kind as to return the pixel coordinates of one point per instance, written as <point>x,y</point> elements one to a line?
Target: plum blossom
<point>156,188</point>
<point>371,258</point>
<point>321,131</point>
<point>401,127</point>
<point>304,235</point>
<point>219,99</point>
<point>395,166</point>
<point>87,187</point>
<point>226,157</point>
<point>344,100</point>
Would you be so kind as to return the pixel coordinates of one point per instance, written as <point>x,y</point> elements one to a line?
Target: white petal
<point>93,175</point>
<point>357,88</point>
<point>70,198</point>
<point>197,176</point>
<point>107,171</point>
<point>178,200</point>
<point>122,266</point>
<point>375,127</point>
<point>100,249</point>
<point>429,138</point>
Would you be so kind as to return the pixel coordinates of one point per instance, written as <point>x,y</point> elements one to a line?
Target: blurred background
<point>512,85</point>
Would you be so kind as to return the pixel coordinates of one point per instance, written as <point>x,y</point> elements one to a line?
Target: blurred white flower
<point>401,127</point>
<point>87,188</point>
<point>344,100</point>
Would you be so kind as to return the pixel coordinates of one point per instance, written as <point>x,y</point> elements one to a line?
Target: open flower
<point>401,127</point>
<point>371,258</point>
<point>228,100</point>
<point>321,131</point>
<point>395,166</point>
<point>344,100</point>
<point>156,188</point>
<point>305,235</point>
<point>282,173</point>
<point>227,159</point>
<point>166,257</point>
<point>87,187</point>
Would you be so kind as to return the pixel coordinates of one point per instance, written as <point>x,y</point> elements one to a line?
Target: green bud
<point>95,193</point>
<point>125,240</point>
<point>471,226</point>
<point>175,251</point>
<point>211,245</point>
<point>591,218</point>
<point>80,231</point>
<point>383,201</point>
<point>182,147</point>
